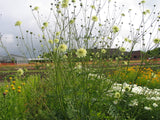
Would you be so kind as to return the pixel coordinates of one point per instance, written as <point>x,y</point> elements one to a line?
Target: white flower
<point>134,103</point>
<point>147,108</point>
<point>155,105</point>
<point>115,102</point>
<point>153,75</point>
<point>78,66</point>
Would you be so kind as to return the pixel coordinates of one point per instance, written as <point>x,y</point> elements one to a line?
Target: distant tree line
<point>155,53</point>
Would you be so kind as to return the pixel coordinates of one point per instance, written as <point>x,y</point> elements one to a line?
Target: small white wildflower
<point>147,108</point>
<point>134,103</point>
<point>78,66</point>
<point>155,105</point>
<point>115,102</point>
<point>153,75</point>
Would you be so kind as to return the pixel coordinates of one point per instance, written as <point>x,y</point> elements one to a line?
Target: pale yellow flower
<point>103,51</point>
<point>50,41</point>
<point>81,52</point>
<point>65,56</point>
<point>55,49</point>
<point>20,72</point>
<point>148,11</point>
<point>64,5</point>
<point>92,6</point>
<point>122,14</point>
<point>117,95</point>
<point>71,21</point>
<point>115,29</point>
<point>95,18</point>
<point>58,33</point>
<point>122,49</point>
<point>156,40</point>
<point>36,8</point>
<point>143,1</point>
<point>18,23</point>
<point>62,47</point>
<point>73,1</point>
<point>56,40</point>
<point>45,24</point>
<point>126,39</point>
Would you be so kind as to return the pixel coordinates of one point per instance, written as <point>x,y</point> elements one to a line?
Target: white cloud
<point>13,10</point>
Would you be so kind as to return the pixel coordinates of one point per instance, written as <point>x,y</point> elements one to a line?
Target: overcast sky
<point>14,10</point>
